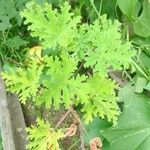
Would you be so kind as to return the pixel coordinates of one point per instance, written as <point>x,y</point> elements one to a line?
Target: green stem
<point>73,144</point>
<point>100,7</point>
<point>128,76</point>
<point>92,3</point>
<point>139,69</point>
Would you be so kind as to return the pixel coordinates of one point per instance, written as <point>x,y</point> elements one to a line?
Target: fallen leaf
<point>71,131</point>
<point>96,144</point>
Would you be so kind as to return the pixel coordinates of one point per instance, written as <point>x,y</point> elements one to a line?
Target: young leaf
<point>61,86</point>
<point>43,137</point>
<point>108,47</point>
<point>101,101</point>
<point>24,82</point>
<point>53,28</point>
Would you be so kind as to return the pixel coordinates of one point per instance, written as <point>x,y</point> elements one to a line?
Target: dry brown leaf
<point>96,144</point>
<point>71,131</point>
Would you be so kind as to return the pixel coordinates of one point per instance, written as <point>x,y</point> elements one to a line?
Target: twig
<point>81,127</point>
<point>63,118</point>
<point>81,65</point>
<point>115,75</point>
<point>81,138</point>
<point>73,144</point>
<point>13,61</point>
<point>77,118</point>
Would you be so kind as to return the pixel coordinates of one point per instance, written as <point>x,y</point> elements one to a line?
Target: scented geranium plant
<point>69,67</point>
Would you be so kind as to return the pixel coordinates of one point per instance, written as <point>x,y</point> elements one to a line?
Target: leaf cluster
<point>43,137</point>
<point>56,79</point>
<point>60,80</point>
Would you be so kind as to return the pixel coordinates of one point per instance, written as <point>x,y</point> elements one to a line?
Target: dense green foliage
<point>61,82</point>
<point>12,36</point>
<point>133,125</point>
<point>77,44</point>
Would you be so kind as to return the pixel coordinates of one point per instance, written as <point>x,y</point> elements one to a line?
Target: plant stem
<point>81,138</point>
<point>63,118</point>
<point>140,69</point>
<point>92,3</point>
<point>77,118</point>
<point>73,144</point>
<point>100,7</point>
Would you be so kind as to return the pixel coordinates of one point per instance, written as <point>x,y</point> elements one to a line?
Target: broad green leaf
<point>109,8</point>
<point>103,7</point>
<point>147,87</point>
<point>20,5</point>
<point>129,7</point>
<point>143,43</point>
<point>4,23</point>
<point>15,42</point>
<point>143,66</point>
<point>7,7</point>
<point>127,89</point>
<point>93,129</point>
<point>133,129</point>
<point>145,59</point>
<point>141,25</point>
<point>140,84</point>
<point>140,69</point>
<point>106,145</point>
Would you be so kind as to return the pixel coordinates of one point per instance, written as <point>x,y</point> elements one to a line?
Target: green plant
<point>12,36</point>
<point>43,136</point>
<point>133,130</point>
<point>24,82</point>
<point>57,79</point>
<point>138,13</point>
<point>136,16</point>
